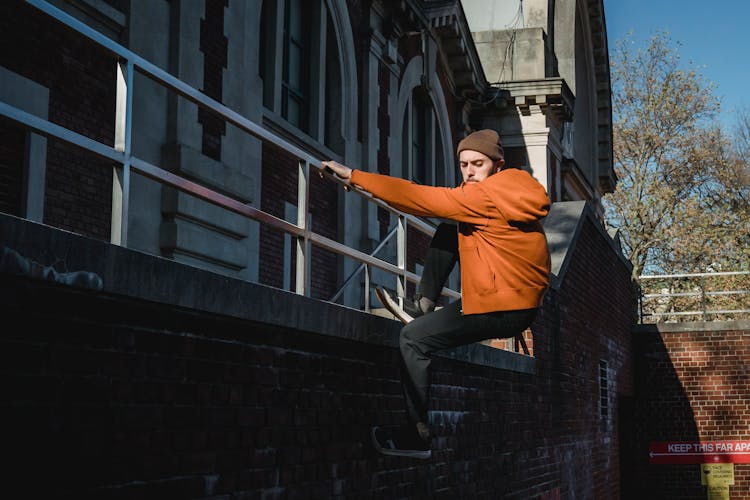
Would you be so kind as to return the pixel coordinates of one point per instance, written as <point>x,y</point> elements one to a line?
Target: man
<point>502,252</point>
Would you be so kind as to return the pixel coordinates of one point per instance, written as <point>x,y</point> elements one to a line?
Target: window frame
<point>319,114</point>
<point>421,108</point>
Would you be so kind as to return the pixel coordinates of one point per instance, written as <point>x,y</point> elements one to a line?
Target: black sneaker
<point>405,313</point>
<point>402,442</point>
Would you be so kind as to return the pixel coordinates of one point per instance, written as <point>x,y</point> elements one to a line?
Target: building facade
<point>157,164</point>
<point>169,148</point>
<point>384,86</point>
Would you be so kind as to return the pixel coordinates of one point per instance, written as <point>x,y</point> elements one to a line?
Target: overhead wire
<point>513,26</point>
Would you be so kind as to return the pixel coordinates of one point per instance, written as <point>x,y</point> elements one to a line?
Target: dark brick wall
<point>12,157</point>
<point>81,82</point>
<point>156,401</point>
<point>213,44</point>
<point>692,385</point>
<point>279,185</point>
<point>587,320</point>
<point>417,245</point>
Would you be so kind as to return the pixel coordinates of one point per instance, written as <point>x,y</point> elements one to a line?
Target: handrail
<point>691,275</point>
<point>359,269</point>
<point>121,153</point>
<point>698,290</point>
<point>447,291</point>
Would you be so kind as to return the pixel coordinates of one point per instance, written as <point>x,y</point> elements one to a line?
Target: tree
<point>681,201</point>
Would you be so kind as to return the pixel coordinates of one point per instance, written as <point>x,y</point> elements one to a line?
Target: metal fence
<point>695,297</point>
<point>127,163</point>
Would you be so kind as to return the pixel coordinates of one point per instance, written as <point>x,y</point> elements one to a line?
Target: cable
<point>515,23</point>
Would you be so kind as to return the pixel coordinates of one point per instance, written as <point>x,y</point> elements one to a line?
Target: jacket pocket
<point>479,273</point>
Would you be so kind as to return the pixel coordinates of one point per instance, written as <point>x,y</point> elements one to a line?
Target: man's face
<point>476,166</point>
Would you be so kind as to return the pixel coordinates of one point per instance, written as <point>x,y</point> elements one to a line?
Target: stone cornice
<point>552,95</point>
<point>607,178</point>
<point>447,23</point>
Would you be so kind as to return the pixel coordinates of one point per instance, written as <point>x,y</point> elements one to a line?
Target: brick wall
<point>417,244</point>
<point>693,383</point>
<point>280,178</point>
<point>130,398</point>
<point>213,45</point>
<point>81,82</point>
<point>584,322</point>
<point>12,146</point>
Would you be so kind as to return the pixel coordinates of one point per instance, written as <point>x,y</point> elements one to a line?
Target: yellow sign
<point>718,492</point>
<point>717,475</point>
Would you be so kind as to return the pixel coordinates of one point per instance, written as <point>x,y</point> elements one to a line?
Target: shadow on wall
<point>662,412</point>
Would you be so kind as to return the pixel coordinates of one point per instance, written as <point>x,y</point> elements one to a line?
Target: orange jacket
<point>503,255</point>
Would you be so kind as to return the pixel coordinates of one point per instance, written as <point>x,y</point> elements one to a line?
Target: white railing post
<point>302,281</point>
<point>123,134</point>
<point>367,288</point>
<point>401,258</point>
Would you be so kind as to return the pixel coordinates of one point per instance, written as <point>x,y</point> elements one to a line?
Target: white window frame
<point>431,170</point>
<point>33,98</point>
<point>314,126</point>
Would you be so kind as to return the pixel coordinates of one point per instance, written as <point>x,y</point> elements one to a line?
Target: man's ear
<point>499,165</point>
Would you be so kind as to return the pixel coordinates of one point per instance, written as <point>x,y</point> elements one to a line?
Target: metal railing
<point>127,163</point>
<point>694,296</point>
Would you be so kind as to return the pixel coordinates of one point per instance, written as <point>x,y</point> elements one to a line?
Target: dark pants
<point>447,327</point>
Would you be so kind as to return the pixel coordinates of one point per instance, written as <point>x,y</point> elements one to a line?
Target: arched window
<point>295,78</point>
<point>301,69</point>
<point>423,157</point>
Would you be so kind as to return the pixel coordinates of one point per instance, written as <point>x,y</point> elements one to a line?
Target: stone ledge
<point>694,326</point>
<point>130,274</point>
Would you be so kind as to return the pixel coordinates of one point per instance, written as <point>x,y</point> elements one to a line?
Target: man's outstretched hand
<point>341,171</point>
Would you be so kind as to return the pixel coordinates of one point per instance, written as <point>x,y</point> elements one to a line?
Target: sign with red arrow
<point>704,452</point>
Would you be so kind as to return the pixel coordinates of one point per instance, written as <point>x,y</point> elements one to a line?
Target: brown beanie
<point>485,141</point>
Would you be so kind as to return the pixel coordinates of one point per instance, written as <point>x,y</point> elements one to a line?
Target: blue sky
<point>712,35</point>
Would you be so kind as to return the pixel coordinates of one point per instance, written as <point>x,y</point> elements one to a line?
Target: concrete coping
<point>131,274</point>
<point>694,326</point>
